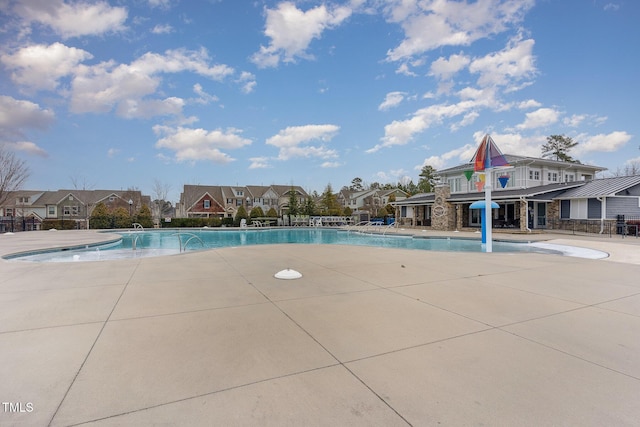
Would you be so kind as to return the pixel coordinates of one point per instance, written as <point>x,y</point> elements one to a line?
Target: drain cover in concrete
<point>288,274</point>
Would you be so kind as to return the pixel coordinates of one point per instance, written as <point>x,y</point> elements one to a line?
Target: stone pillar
<point>523,215</point>
<point>459,212</point>
<point>443,213</point>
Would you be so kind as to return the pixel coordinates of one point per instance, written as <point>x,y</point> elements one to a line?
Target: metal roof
<point>604,187</point>
<point>541,192</point>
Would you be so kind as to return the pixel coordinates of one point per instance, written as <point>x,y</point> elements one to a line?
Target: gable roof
<point>192,193</point>
<point>602,187</point>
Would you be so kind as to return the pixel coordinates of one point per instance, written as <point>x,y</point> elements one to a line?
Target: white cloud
<point>460,155</point>
<point>203,97</point>
<point>611,7</point>
<point>292,30</point>
<point>575,120</point>
<point>159,3</point>
<point>601,142</point>
<point>40,66</point>
<point>467,120</point>
<point>431,24</point>
<point>540,118</point>
<point>132,108</point>
<point>29,147</point>
<point>529,103</point>
<point>444,69</point>
<point>259,163</point>
<point>112,152</point>
<point>513,64</point>
<point>293,141</point>
<point>393,176</point>
<point>247,81</point>
<point>74,19</point>
<point>102,87</point>
<point>18,116</point>
<point>404,69</point>
<point>393,99</point>
<point>179,60</point>
<point>199,144</point>
<point>330,165</point>
<point>162,29</point>
<point>402,132</point>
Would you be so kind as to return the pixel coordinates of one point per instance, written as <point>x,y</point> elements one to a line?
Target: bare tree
<point>630,168</point>
<point>160,192</point>
<point>13,173</point>
<point>81,183</point>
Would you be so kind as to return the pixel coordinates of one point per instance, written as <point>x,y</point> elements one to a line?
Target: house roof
<point>416,199</point>
<point>541,192</point>
<point>603,187</point>
<point>192,193</point>
<point>515,159</point>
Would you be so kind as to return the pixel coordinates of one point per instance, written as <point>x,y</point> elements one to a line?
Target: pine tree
<point>558,147</point>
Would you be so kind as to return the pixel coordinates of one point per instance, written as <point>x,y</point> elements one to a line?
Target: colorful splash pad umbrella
<point>488,157</point>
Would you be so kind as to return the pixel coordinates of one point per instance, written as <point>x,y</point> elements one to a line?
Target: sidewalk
<point>367,336</point>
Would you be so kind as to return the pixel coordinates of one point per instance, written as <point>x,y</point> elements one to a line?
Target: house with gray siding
<point>602,199</point>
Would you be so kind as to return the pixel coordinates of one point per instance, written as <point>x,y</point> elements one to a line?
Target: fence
<point>623,225</point>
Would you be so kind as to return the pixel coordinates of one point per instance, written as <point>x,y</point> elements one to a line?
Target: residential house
<point>602,200</point>
<point>26,210</point>
<point>202,201</point>
<point>527,192</point>
<point>371,200</point>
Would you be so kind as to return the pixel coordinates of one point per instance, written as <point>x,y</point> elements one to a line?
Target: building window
<point>239,193</point>
<point>74,210</point>
<point>52,211</point>
<point>552,176</point>
<point>454,184</point>
<point>207,204</point>
<point>510,180</point>
<point>569,178</point>
<point>534,175</point>
<point>66,210</point>
<point>9,212</point>
<point>238,202</point>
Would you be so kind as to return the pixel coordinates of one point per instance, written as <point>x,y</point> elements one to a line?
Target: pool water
<point>137,244</point>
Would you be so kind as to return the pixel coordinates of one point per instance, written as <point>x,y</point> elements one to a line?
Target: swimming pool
<point>139,244</point>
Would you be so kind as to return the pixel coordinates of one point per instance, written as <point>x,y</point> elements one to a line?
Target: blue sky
<point>120,94</point>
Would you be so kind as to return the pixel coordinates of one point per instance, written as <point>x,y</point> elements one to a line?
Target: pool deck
<point>367,336</point>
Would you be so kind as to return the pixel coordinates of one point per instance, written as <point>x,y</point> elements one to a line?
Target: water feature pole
<point>486,158</point>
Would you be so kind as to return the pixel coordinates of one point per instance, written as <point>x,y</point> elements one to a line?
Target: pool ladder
<point>136,226</point>
<point>183,246</point>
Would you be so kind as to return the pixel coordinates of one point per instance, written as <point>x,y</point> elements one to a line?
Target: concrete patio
<point>367,336</point>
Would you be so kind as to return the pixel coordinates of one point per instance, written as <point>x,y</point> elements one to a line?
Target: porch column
<point>442,213</point>
<point>524,215</point>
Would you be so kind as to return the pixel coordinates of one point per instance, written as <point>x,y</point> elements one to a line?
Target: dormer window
<point>207,204</point>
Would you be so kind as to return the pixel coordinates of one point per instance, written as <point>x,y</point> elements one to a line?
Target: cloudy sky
<point>119,94</point>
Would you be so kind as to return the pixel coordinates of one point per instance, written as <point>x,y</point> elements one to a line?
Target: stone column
<point>523,215</point>
<point>443,212</point>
